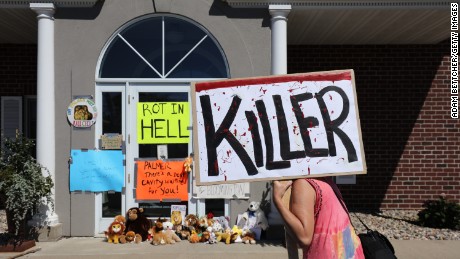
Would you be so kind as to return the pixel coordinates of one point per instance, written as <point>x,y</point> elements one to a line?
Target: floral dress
<point>334,236</point>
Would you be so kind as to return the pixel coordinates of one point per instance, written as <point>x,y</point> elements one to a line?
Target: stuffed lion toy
<point>114,232</point>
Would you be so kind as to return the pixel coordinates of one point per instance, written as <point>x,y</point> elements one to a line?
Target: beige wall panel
<point>80,36</point>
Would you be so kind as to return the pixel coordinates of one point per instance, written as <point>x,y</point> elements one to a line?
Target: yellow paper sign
<point>163,122</point>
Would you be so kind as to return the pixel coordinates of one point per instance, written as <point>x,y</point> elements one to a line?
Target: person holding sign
<point>316,218</point>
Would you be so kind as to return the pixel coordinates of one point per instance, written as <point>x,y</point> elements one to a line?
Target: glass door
<point>156,138</point>
<point>111,100</point>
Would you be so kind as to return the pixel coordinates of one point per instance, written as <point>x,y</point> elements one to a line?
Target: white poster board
<point>277,127</point>
<point>221,191</point>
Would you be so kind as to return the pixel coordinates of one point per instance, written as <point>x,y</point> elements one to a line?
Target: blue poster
<point>97,170</point>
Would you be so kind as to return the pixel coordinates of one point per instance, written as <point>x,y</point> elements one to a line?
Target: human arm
<point>299,218</point>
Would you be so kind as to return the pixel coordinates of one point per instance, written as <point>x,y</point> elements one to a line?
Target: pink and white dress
<point>334,236</point>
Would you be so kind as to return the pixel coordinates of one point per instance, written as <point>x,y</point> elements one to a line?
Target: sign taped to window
<point>97,170</point>
<point>163,122</point>
<point>159,180</point>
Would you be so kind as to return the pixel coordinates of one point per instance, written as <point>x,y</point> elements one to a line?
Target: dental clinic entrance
<point>145,67</point>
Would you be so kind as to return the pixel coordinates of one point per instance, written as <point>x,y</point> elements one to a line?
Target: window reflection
<point>111,123</point>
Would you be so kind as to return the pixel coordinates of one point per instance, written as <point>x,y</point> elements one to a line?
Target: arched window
<point>162,47</point>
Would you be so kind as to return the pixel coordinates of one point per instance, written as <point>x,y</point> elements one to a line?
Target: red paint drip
<point>321,160</point>
<point>308,170</point>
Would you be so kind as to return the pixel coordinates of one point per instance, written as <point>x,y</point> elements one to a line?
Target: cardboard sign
<point>222,191</point>
<point>163,122</point>
<point>111,141</point>
<point>277,127</point>
<point>161,180</point>
<point>97,170</point>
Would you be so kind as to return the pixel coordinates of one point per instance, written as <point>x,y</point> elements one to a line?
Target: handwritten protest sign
<point>277,127</point>
<point>163,122</point>
<point>97,171</point>
<point>159,180</point>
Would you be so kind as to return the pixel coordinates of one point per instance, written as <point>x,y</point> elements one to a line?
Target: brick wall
<point>412,146</point>
<point>18,70</point>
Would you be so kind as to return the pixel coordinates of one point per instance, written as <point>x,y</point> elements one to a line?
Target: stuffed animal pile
<point>136,228</point>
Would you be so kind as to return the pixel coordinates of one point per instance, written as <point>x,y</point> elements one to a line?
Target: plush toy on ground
<point>205,235</point>
<point>161,238</point>
<point>217,227</point>
<point>182,232</point>
<point>236,234</point>
<point>192,222</point>
<point>137,222</point>
<point>254,219</point>
<point>225,236</point>
<point>223,221</point>
<point>120,219</point>
<point>212,236</point>
<point>249,237</point>
<point>169,232</point>
<point>210,217</point>
<point>203,223</point>
<point>158,225</point>
<point>114,232</point>
<point>131,237</point>
<point>194,238</point>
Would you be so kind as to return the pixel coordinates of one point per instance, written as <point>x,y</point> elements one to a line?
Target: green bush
<point>440,213</point>
<point>23,186</point>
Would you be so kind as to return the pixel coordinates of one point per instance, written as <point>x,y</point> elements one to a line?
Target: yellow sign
<point>163,122</point>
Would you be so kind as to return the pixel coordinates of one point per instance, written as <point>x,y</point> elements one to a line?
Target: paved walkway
<point>87,247</point>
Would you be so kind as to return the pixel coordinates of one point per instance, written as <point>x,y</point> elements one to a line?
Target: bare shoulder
<point>302,186</point>
<point>303,191</point>
<point>302,204</point>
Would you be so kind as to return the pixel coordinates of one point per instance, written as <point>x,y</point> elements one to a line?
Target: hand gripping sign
<point>277,127</point>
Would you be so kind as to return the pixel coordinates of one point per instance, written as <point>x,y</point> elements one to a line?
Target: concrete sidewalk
<point>87,247</point>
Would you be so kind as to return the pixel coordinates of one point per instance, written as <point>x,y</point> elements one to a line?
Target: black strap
<point>339,197</point>
<point>367,228</point>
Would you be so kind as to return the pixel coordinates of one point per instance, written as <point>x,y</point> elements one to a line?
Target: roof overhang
<point>18,23</point>
<point>57,3</point>
<point>336,22</point>
<point>309,22</point>
<point>342,4</point>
